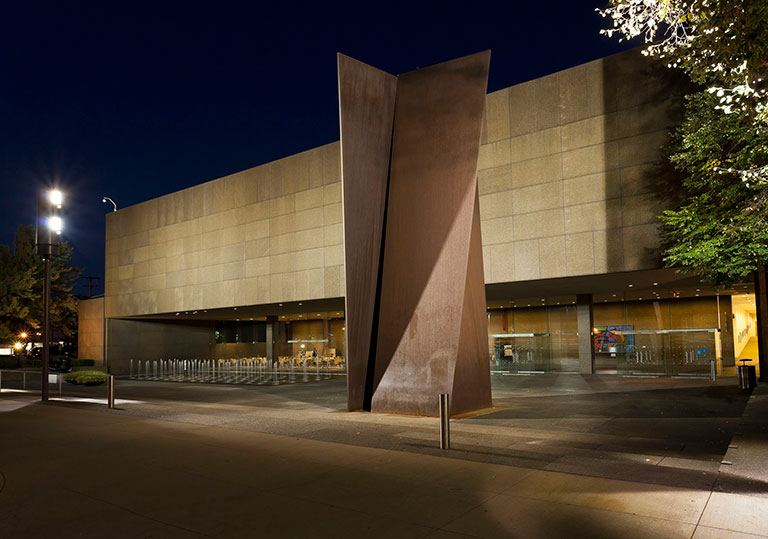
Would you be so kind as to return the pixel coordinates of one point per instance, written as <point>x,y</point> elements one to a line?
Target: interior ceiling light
<point>630,285</point>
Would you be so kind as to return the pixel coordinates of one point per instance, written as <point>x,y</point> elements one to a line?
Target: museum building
<point>571,178</point>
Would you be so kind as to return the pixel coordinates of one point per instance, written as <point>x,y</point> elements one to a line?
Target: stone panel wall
<point>571,173</point>
<point>90,329</point>
<point>571,179</point>
<point>268,234</point>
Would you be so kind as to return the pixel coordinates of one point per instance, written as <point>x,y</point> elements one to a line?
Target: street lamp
<point>48,241</point>
<point>104,201</point>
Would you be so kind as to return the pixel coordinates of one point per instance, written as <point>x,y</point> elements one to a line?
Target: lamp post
<point>47,240</point>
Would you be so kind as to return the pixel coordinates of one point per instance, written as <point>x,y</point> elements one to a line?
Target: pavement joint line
<point>480,504</point>
<point>703,509</point>
<point>129,511</point>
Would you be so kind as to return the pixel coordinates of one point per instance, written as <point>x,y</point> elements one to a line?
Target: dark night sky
<point>134,101</point>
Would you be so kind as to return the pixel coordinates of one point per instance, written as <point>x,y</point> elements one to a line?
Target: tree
<point>722,146</point>
<point>21,288</point>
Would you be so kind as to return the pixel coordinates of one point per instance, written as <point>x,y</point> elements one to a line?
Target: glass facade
<point>662,337</point>
<point>533,339</point>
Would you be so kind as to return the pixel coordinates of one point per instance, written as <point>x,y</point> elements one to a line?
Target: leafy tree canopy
<point>21,288</point>
<point>722,146</point>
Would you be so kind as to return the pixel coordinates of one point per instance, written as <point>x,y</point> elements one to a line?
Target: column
<point>761,302</point>
<point>271,337</point>
<point>585,323</point>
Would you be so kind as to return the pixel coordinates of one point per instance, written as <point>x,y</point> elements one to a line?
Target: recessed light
<point>630,285</point>
<point>301,303</point>
<point>655,284</point>
<point>614,295</point>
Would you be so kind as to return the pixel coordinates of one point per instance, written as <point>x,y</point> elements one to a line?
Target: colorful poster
<point>607,341</point>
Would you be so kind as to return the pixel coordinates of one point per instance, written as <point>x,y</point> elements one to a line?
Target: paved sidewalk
<point>206,465</point>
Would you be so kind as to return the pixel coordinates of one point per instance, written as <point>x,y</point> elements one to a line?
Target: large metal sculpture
<point>415,296</point>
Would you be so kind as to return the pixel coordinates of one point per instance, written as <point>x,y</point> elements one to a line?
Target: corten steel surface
<point>430,320</point>
<point>366,105</point>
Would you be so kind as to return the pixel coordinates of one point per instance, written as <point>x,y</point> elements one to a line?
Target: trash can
<point>743,377</point>
<point>747,375</point>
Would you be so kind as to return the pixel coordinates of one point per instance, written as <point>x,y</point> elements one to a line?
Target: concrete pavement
<point>267,462</point>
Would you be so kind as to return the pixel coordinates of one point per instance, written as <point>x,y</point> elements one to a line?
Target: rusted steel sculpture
<point>415,297</point>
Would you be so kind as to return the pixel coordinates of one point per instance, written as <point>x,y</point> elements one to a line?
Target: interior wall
<point>744,327</point>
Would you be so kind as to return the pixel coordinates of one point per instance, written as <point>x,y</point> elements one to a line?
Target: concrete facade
<point>268,234</point>
<point>90,329</point>
<point>570,170</point>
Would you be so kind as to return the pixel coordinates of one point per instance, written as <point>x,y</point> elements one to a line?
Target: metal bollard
<point>712,369</point>
<point>110,391</point>
<point>61,376</point>
<point>24,380</point>
<point>445,421</point>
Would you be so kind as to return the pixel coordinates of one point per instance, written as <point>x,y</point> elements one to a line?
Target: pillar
<point>761,302</point>
<point>585,323</point>
<point>271,337</point>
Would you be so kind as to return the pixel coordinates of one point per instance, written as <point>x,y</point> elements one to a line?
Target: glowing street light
<point>18,346</point>
<point>55,224</point>
<point>23,335</point>
<point>55,197</point>
<point>47,242</point>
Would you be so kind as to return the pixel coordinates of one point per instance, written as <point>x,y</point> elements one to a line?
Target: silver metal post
<point>110,391</point>
<point>713,369</point>
<point>445,419</point>
<point>61,376</point>
<point>24,382</point>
